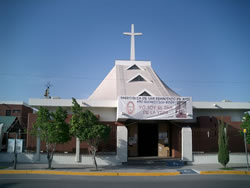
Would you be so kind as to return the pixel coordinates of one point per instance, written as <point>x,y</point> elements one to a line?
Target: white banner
<point>158,108</point>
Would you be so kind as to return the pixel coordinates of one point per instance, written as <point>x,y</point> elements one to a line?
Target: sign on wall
<point>154,108</point>
<point>11,145</point>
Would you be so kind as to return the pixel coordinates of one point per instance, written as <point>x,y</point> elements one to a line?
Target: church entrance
<point>153,139</point>
<point>147,139</point>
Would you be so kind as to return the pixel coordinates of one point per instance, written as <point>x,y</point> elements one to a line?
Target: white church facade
<point>150,119</point>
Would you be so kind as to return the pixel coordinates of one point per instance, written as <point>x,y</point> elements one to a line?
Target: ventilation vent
<point>138,78</point>
<point>144,93</point>
<point>133,67</point>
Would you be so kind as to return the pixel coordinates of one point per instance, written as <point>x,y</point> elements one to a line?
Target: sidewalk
<point>122,170</point>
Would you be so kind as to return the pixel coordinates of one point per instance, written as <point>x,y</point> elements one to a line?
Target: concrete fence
<point>60,158</point>
<point>212,158</point>
<point>112,159</point>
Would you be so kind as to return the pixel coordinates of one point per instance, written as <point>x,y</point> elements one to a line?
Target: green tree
<point>52,128</point>
<point>246,125</point>
<point>223,154</point>
<point>86,127</point>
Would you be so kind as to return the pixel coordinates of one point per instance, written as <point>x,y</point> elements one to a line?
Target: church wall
<point>70,147</point>
<point>106,114</point>
<point>205,135</point>
<point>175,137</point>
<point>235,114</point>
<point>204,131</point>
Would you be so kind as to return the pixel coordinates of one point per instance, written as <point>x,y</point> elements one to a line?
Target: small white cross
<point>132,44</point>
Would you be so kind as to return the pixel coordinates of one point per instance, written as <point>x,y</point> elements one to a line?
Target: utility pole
<point>15,153</point>
<point>245,140</point>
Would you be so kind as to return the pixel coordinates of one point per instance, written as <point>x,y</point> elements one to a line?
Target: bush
<point>223,153</point>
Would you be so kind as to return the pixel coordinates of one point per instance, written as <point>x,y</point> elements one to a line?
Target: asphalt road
<point>183,181</point>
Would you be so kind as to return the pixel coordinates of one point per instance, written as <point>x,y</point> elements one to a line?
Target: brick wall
<point>175,144</point>
<point>205,135</point>
<point>20,111</point>
<point>24,115</point>
<point>70,147</point>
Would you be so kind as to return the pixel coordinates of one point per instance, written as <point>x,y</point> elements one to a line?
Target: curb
<point>119,173</point>
<point>148,173</point>
<point>90,173</point>
<point>231,172</point>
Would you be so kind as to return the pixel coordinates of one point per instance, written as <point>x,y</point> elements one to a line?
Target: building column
<point>186,144</point>
<point>122,143</point>
<point>1,135</point>
<point>78,150</point>
<point>38,142</point>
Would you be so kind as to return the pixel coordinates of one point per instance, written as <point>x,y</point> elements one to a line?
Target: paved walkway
<point>122,170</point>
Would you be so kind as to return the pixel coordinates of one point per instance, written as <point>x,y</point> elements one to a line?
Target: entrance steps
<point>154,161</point>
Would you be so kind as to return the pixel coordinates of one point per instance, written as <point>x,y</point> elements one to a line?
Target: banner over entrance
<point>154,108</point>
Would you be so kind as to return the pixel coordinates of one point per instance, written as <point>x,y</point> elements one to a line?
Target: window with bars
<point>16,111</point>
<point>8,112</point>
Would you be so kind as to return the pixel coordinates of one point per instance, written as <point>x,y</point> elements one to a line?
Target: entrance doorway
<point>148,140</point>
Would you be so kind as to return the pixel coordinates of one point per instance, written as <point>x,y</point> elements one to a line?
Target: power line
<point>51,77</point>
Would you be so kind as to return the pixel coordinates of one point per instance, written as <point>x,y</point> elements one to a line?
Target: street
<point>187,181</point>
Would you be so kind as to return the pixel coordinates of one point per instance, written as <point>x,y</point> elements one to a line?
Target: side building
<point>14,120</point>
<point>18,109</point>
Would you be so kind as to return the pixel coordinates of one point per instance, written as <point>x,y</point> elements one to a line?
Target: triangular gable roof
<point>118,82</point>
<point>107,88</point>
<point>8,122</point>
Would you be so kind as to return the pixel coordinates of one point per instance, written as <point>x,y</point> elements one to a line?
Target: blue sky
<point>199,48</point>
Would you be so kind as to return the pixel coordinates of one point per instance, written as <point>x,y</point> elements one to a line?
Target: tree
<point>86,127</point>
<point>223,154</point>
<point>52,128</point>
<point>246,125</point>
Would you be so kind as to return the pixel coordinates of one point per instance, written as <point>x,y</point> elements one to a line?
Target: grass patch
<point>227,168</point>
<point>3,167</point>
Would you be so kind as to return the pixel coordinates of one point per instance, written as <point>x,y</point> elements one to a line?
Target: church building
<point>149,119</point>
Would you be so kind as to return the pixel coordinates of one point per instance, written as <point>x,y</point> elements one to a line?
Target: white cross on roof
<point>132,44</point>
